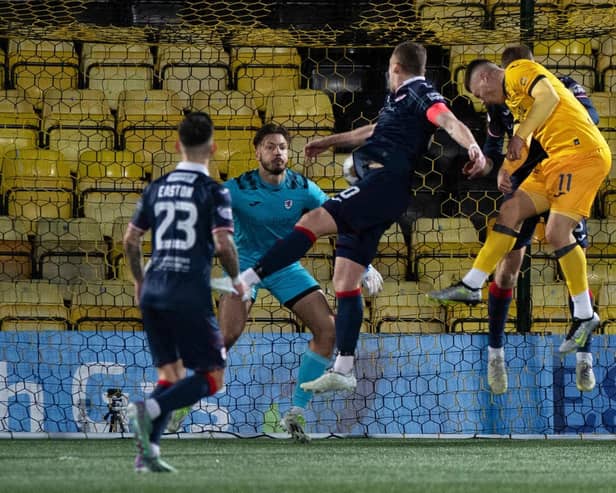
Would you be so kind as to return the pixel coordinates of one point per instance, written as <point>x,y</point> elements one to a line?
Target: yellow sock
<point>499,243</point>
<point>573,264</point>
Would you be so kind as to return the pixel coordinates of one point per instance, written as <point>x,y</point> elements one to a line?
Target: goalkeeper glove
<point>372,281</point>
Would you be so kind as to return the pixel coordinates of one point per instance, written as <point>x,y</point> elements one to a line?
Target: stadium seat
<point>228,109</point>
<point>589,15</point>
<point>268,315</point>
<point>70,251</point>
<point>442,249</point>
<point>15,249</point>
<point>148,120</point>
<point>606,64</point>
<point>32,305</point>
<point>451,19</point>
<point>260,70</point>
<point>109,184</point>
<point>505,16</point>
<point>235,153</point>
<point>36,65</point>
<point>188,69</point>
<point>570,57</point>
<point>319,260</point>
<point>19,123</point>
<point>550,307</point>
<point>392,256</point>
<point>36,183</point>
<point>114,68</point>
<point>77,120</point>
<point>401,307</point>
<point>105,306</point>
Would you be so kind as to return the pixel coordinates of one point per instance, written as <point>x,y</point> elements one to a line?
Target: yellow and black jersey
<point>569,129</point>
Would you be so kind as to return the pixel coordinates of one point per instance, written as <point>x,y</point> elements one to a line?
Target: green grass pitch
<point>328,465</point>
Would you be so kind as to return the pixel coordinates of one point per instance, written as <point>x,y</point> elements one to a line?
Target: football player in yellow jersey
<point>565,183</point>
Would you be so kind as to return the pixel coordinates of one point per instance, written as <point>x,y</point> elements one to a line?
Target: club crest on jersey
<point>288,204</point>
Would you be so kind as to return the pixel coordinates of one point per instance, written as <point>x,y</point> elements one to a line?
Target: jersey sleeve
<point>520,78</point>
<point>316,196</point>
<point>141,218</point>
<point>223,213</point>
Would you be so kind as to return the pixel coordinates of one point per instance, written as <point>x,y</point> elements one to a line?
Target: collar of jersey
<point>190,166</point>
<point>408,81</point>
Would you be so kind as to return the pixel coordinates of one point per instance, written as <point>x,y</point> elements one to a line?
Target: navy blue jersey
<point>402,130</point>
<point>500,123</point>
<point>182,208</point>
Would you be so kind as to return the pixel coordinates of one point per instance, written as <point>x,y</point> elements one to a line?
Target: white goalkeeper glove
<point>372,281</point>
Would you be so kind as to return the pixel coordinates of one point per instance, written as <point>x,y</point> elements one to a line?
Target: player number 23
<point>187,225</point>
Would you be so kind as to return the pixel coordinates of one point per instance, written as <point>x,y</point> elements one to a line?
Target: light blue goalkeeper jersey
<point>265,213</point>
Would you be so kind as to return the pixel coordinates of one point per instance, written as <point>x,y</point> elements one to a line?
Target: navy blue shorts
<point>193,336</point>
<point>525,236</point>
<point>364,211</point>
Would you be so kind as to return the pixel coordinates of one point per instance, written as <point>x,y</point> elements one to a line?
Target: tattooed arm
<point>134,258</point>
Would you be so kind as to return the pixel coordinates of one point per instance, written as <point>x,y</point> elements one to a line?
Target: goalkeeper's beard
<point>272,169</point>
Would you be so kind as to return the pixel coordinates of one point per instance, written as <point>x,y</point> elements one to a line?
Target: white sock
<point>250,277</point>
<point>582,308</point>
<point>344,364</point>
<point>496,352</point>
<point>475,278</point>
<point>582,356</point>
<point>152,408</point>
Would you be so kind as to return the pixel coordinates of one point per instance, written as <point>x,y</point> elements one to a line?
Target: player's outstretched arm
<point>444,118</point>
<point>351,138</point>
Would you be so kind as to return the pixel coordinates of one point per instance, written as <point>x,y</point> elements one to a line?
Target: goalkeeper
<point>267,202</point>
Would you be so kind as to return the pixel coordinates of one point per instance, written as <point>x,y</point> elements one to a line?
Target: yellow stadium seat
<point>114,68</point>
<point>451,19</point>
<point>392,256</point>
<point>36,183</point>
<point>36,65</point>
<point>228,109</point>
<point>264,69</point>
<point>148,120</point>
<point>188,69</point>
<point>2,68</point>
<point>319,260</point>
<point>300,109</point>
<point>602,238</point>
<point>402,307</point>
<point>587,15</point>
<point>15,249</point>
<point>77,120</point>
<point>19,123</point>
<point>106,305</point>
<point>235,153</point>
<point>568,57</point>
<point>606,64</point>
<point>441,249</point>
<point>70,250</point>
<point>550,307</point>
<point>268,315</point>
<point>32,305</point>
<point>505,15</point>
